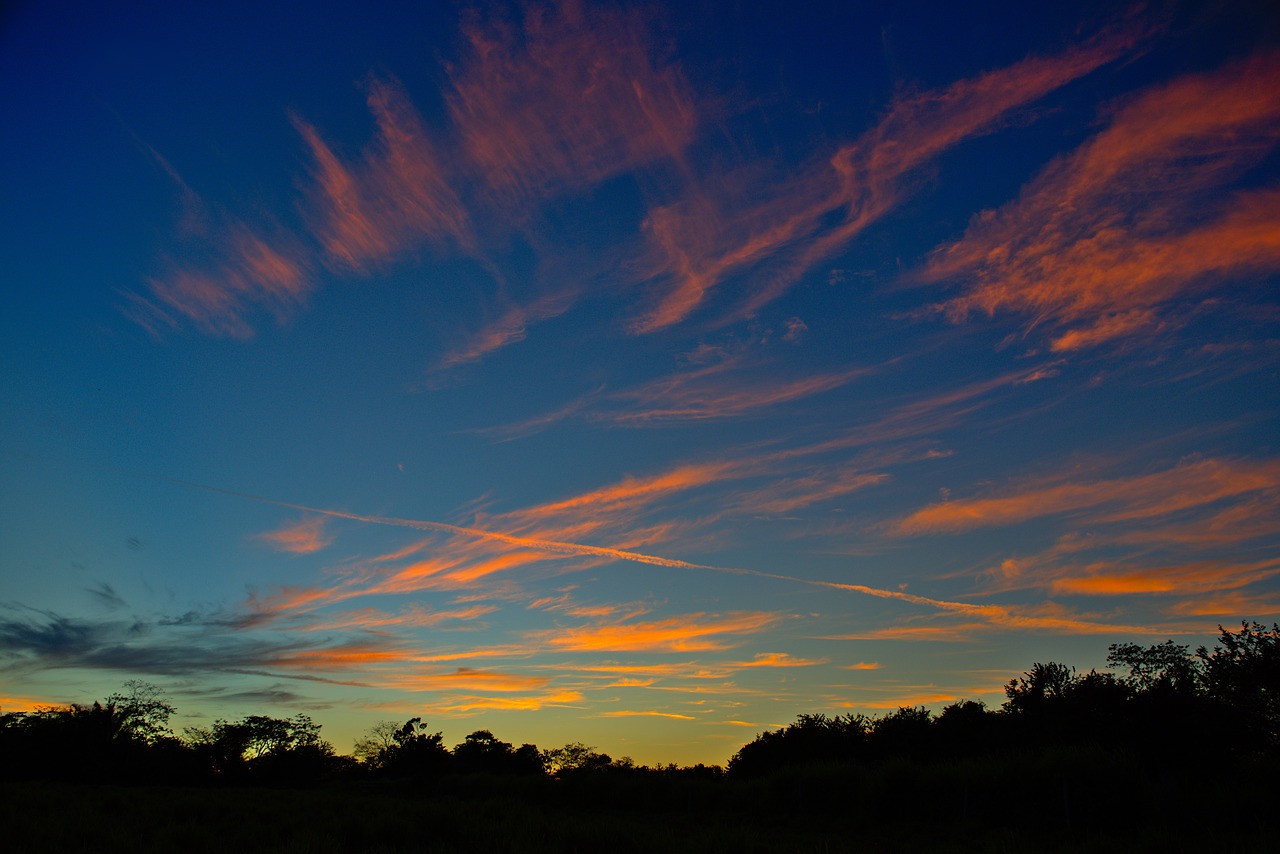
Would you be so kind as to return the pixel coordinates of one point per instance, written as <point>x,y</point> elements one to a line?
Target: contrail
<point>990,612</point>
<point>553,546</point>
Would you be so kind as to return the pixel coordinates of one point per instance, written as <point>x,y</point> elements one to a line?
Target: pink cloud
<point>302,537</point>
<point>397,196</point>
<point>1103,244</point>
<point>776,230</point>
<point>1184,487</point>
<point>244,275</point>
<point>568,96</point>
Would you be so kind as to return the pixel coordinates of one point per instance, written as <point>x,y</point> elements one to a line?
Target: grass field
<point>1069,803</point>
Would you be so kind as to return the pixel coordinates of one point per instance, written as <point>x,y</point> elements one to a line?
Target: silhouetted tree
<point>376,744</point>
<point>1243,674</point>
<point>905,732</point>
<point>576,757</point>
<point>482,753</point>
<point>1041,684</point>
<point>416,752</point>
<point>812,738</point>
<point>965,728</point>
<point>1166,667</point>
<point>267,748</point>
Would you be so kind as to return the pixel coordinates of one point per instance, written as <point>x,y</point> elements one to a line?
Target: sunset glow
<point>632,374</point>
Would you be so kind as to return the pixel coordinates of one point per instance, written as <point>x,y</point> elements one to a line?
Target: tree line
<point>1158,703</point>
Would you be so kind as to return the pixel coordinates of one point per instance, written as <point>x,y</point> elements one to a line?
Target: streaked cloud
<point>1192,579</point>
<point>397,196</point>
<point>787,495</point>
<point>413,616</point>
<point>464,679</point>
<point>305,536</point>
<point>703,394</point>
<point>780,659</point>
<point>691,632</point>
<point>243,275</point>
<point>622,713</point>
<point>1183,487</point>
<point>565,97</point>
<point>690,397</point>
<point>1108,238</point>
<point>347,656</point>
<point>529,703</point>
<point>741,222</point>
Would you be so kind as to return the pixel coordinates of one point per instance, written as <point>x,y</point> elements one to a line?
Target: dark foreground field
<point>1069,802</point>
<point>1176,752</point>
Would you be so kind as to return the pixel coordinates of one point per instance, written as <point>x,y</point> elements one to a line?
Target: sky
<point>643,375</point>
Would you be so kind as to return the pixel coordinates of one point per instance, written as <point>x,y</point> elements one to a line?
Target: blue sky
<point>639,375</point>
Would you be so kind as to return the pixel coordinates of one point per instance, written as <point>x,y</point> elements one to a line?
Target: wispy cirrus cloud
<point>413,616</point>
<point>464,679</point>
<point>397,196</point>
<point>1107,239</point>
<point>527,703</point>
<point>723,228</point>
<point>780,659</point>
<point>787,495</point>
<point>568,96</point>
<point>728,390</point>
<point>1231,603</point>
<point>243,274</point>
<point>306,536</point>
<point>686,633</point>
<point>1189,579</point>
<point>647,713</point>
<point>557,100</point>
<point>1107,500</point>
<point>959,622</point>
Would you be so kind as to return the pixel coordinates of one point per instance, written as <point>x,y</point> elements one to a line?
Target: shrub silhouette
<point>1160,701</point>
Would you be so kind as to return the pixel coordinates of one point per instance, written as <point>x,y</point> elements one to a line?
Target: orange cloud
<point>1199,577</point>
<point>724,229</point>
<point>24,704</point>
<point>508,329</point>
<point>465,679</point>
<point>415,616</point>
<point>1229,604</point>
<point>677,670</point>
<point>704,394</point>
<point>956,633</point>
<point>1181,488</point>
<point>530,703</point>
<point>398,196</point>
<point>244,274</point>
<point>861,665</point>
<point>927,698</point>
<point>344,657</point>
<point>291,600</point>
<point>630,683</point>
<point>647,714</point>
<point>688,397</point>
<point>693,632</point>
<point>780,659</point>
<point>568,97</point>
<point>1106,238</point>
<point>303,537</point>
<point>630,492</point>
<point>787,495</point>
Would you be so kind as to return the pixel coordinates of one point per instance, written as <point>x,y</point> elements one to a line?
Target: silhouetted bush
<point>1129,758</point>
